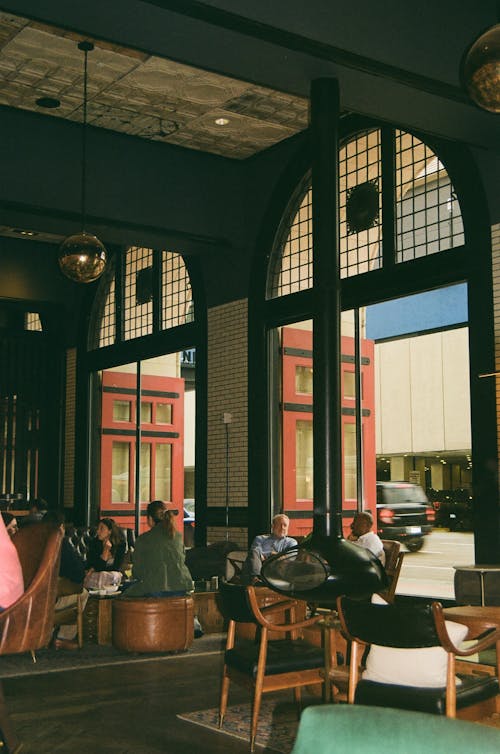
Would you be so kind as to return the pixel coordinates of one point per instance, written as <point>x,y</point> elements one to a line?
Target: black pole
<point>358,377</point>
<point>324,126</point>
<point>138,437</point>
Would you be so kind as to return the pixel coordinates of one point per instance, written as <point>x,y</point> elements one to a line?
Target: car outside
<point>404,513</point>
<point>189,522</point>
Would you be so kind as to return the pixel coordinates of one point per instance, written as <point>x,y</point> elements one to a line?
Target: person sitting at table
<point>70,584</point>
<point>107,549</point>
<point>159,557</point>
<point>265,545</point>
<point>362,534</point>
<point>11,573</point>
<point>10,522</point>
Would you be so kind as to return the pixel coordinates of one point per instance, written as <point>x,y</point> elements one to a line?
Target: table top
<point>477,617</point>
<point>477,567</point>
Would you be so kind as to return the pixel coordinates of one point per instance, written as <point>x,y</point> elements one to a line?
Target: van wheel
<point>415,544</point>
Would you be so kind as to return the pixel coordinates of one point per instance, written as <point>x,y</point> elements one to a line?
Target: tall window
<point>399,415</point>
<point>143,410</point>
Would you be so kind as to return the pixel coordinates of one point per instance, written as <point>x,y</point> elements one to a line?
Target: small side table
<point>481,571</point>
<point>98,619</point>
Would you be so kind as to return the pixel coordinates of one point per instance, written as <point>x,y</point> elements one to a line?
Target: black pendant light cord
<point>86,47</point>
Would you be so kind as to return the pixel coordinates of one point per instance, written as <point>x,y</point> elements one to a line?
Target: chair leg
<point>297,696</point>
<point>223,697</point>
<point>255,715</point>
<point>33,655</point>
<point>6,729</point>
<point>79,622</point>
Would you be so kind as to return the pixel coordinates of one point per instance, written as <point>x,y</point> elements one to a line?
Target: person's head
<point>10,522</point>
<point>107,529</point>
<point>158,513</point>
<point>280,525</point>
<point>361,523</point>
<point>38,505</point>
<point>54,517</point>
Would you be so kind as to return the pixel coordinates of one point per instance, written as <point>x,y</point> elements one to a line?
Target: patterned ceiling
<point>141,95</point>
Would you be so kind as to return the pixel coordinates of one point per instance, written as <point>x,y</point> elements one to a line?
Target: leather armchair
<point>27,625</point>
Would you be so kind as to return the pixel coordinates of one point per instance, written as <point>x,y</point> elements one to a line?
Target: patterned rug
<point>94,655</point>
<point>276,730</point>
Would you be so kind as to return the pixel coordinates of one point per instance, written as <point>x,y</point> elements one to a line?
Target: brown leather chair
<point>27,625</point>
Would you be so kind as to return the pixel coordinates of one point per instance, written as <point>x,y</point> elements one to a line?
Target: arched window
<point>153,293</point>
<point>389,180</point>
<point>405,390</point>
<point>142,345</point>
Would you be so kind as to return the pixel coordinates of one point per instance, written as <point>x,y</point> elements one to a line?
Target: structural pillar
<point>324,130</point>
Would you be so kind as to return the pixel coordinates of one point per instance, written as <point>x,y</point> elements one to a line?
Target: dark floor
<point>128,709</point>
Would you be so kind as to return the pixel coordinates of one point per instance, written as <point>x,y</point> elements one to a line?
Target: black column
<point>324,123</point>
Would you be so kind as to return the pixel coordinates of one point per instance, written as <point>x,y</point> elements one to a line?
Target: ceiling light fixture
<point>480,70</point>
<point>221,121</point>
<point>82,257</point>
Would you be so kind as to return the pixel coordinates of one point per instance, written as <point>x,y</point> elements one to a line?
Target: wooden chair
<point>27,625</point>
<point>393,563</point>
<point>262,664</point>
<point>414,626</point>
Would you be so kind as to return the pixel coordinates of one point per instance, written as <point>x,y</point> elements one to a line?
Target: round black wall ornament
<point>362,206</point>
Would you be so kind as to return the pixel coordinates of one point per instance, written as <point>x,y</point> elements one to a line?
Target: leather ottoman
<point>151,624</point>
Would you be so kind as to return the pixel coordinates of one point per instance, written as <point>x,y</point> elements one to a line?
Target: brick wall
<point>227,394</point>
<point>495,244</point>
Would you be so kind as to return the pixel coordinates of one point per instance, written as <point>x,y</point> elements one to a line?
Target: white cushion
<point>424,667</point>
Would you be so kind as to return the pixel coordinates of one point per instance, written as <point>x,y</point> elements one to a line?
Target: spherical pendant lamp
<point>82,257</point>
<point>481,70</point>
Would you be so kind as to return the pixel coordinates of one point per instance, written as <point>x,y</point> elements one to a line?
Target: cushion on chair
<point>472,690</point>
<point>283,656</point>
<point>424,667</point>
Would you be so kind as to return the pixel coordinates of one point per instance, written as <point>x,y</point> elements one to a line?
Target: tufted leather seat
<point>80,536</point>
<point>153,624</point>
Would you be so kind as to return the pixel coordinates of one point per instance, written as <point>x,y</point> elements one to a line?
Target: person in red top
<point>11,574</point>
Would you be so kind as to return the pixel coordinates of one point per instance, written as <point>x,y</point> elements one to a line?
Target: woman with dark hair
<point>159,557</point>
<point>107,549</point>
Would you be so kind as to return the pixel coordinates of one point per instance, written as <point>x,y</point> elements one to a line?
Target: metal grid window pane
<point>138,307</point>
<point>177,297</point>
<point>107,330</point>
<point>293,269</point>
<point>428,217</point>
<point>359,164</point>
<point>32,322</point>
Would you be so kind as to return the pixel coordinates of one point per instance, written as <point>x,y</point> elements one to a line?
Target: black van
<point>404,513</point>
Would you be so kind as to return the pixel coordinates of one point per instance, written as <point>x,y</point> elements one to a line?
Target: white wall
<point>422,399</point>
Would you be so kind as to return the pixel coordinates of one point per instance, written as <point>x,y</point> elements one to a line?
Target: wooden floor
<point>127,709</point>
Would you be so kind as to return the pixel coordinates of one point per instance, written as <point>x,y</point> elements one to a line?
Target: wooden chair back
<point>393,563</point>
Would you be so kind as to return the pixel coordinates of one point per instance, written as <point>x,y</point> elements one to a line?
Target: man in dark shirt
<point>70,585</point>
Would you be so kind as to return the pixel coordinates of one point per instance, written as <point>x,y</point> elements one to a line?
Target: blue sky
<point>423,311</point>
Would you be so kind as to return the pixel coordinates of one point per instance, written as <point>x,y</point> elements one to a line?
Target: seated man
<point>362,534</point>
<point>265,545</point>
<point>11,574</point>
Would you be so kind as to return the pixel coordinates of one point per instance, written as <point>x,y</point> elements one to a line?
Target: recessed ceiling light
<point>49,102</point>
<point>221,121</point>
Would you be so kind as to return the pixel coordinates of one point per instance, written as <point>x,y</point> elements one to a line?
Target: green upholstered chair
<point>339,728</point>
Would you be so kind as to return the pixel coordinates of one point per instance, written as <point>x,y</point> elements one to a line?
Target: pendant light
<point>481,70</point>
<point>82,257</point>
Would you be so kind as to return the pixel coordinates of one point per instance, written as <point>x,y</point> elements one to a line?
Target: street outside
<point>430,571</point>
